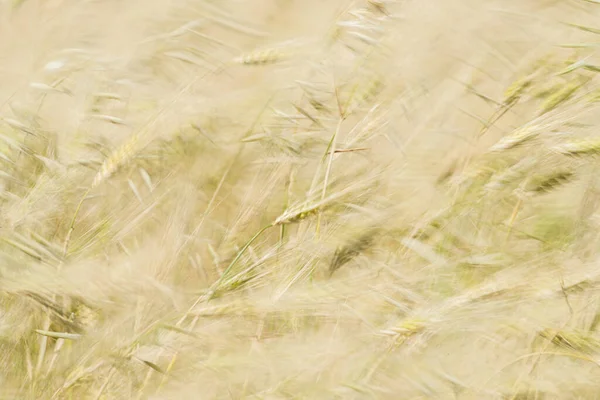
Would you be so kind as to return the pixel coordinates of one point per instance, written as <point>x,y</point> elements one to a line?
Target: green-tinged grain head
<point>405,329</point>
<point>545,183</point>
<point>514,174</point>
<point>582,147</point>
<point>362,93</point>
<point>583,342</point>
<point>297,214</point>
<point>120,157</point>
<point>516,90</point>
<point>560,95</point>
<point>263,57</point>
<point>516,138</point>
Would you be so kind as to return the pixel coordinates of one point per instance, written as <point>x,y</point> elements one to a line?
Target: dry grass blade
<point>59,335</point>
<point>585,28</point>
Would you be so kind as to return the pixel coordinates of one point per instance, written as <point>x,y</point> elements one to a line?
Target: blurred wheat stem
<point>72,224</point>
<point>331,151</point>
<point>513,217</point>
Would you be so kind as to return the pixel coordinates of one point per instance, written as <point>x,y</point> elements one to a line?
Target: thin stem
<point>216,285</point>
<point>331,151</point>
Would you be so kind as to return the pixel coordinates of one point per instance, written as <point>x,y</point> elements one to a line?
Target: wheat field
<point>299,199</point>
